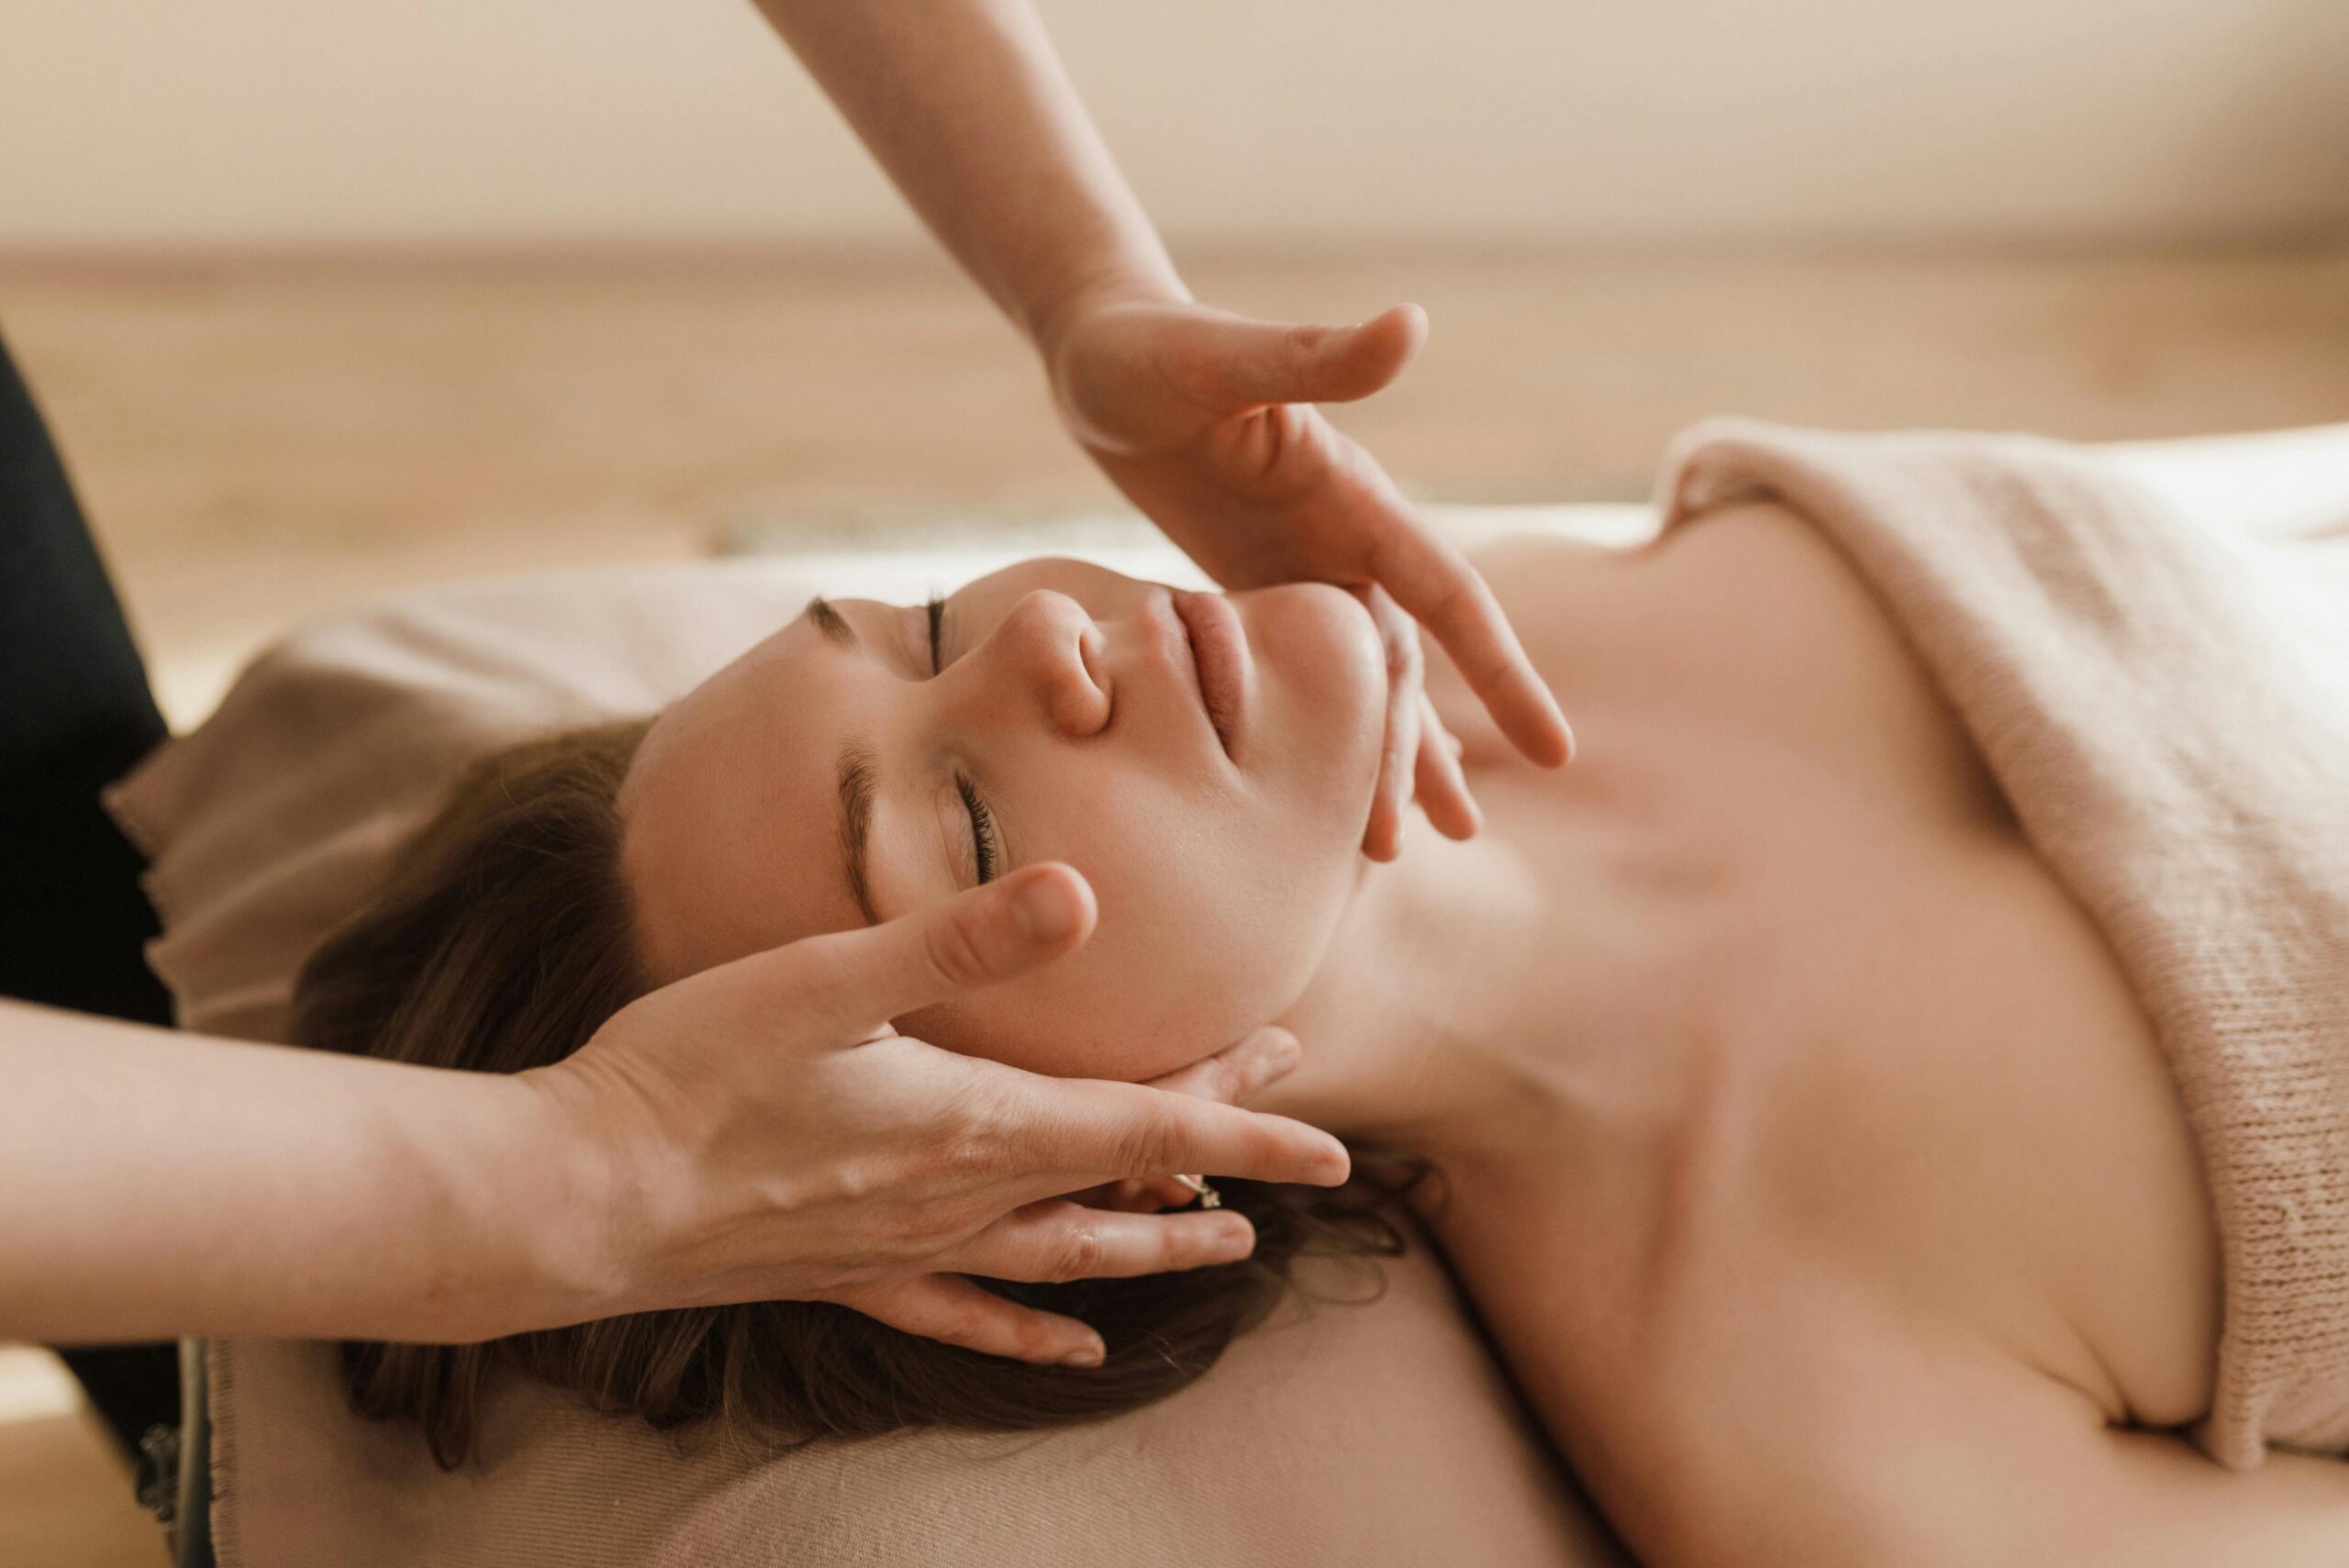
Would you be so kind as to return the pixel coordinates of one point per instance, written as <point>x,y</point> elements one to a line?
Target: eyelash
<point>987,846</point>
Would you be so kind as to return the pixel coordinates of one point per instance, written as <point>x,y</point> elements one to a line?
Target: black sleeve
<point>75,713</point>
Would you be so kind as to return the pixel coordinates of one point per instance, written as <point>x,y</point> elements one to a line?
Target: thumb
<point>853,983</point>
<point>1248,363</point>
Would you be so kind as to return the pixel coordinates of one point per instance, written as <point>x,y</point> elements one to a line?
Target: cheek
<point>1202,938</point>
<point>1101,1014</point>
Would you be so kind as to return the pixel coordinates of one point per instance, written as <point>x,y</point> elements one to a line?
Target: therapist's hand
<point>1206,420</point>
<point>763,1133</point>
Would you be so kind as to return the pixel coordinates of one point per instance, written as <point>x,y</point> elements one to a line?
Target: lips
<point>1219,651</point>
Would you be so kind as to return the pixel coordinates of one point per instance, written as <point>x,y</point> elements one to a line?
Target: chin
<point>1322,678</point>
<point>1318,641</point>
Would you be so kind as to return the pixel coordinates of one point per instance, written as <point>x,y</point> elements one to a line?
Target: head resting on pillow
<point>1207,763</point>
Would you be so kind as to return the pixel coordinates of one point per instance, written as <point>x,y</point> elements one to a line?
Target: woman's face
<point>1205,762</point>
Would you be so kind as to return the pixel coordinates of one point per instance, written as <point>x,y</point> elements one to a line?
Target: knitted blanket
<point>2166,700</point>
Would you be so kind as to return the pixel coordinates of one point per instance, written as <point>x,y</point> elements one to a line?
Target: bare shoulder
<point>1748,625</point>
<point>1828,1428</point>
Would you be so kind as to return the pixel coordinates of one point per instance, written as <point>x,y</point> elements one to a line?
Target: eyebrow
<point>858,782</point>
<point>830,622</point>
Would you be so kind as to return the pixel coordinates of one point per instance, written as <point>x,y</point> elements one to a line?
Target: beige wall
<point>1605,120</point>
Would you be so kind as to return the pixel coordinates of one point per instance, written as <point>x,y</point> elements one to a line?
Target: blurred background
<point>1407,123</point>
<point>375,293</point>
<point>323,297</point>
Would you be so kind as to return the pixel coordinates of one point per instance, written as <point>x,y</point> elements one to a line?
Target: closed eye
<point>987,846</point>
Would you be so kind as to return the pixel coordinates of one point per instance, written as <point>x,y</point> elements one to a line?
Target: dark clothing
<point>75,714</point>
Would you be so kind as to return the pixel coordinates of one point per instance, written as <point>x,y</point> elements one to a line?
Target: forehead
<point>732,810</point>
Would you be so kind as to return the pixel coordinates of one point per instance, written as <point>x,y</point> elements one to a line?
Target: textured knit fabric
<point>2166,700</point>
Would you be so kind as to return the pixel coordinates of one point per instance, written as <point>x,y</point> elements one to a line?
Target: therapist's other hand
<point>757,1131</point>
<point>1206,420</point>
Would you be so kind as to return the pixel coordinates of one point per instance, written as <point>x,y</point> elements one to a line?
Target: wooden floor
<point>259,438</point>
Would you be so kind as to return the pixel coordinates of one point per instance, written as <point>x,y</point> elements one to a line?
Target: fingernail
<point>1090,1356</point>
<point>1048,909</point>
<point>1234,1241</point>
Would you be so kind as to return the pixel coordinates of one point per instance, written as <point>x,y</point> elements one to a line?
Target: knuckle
<point>1192,367</point>
<point>955,949</point>
<point>965,1324</point>
<point>857,1180</point>
<point>1075,1254</point>
<point>1450,601</point>
<point>964,1154</point>
<point>1150,1140</point>
<point>928,1225</point>
<point>966,1142</point>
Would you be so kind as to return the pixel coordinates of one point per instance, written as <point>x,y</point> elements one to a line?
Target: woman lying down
<point>1836,1186</point>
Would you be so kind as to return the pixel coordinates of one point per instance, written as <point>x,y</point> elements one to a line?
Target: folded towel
<point>2166,700</point>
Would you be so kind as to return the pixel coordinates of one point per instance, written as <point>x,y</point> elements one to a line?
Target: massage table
<point>1377,1430</point>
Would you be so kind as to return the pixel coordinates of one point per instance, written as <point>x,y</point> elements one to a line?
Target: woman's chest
<point>1844,1016</point>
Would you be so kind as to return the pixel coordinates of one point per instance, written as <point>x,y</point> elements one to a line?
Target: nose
<point>1045,655</point>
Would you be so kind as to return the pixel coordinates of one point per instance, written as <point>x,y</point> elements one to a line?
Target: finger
<point>1443,786</point>
<point>950,1308</point>
<point>1435,583</point>
<point>1399,636</point>
<point>1055,1241</point>
<point>853,983</point>
<point>1235,1071</point>
<point>1137,1195</point>
<point>1231,363</point>
<point>1382,836</point>
<point>1075,1132</point>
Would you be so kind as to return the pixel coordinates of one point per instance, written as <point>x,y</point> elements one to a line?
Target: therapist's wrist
<point>1127,281</point>
<point>517,1207</point>
<point>584,1221</point>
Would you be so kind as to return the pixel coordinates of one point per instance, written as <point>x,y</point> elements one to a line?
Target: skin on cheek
<point>1063,1030</point>
<point>1131,1010</point>
<point>1215,917</point>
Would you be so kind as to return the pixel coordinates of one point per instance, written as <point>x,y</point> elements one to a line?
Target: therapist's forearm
<point>965,105</point>
<point>156,1184</point>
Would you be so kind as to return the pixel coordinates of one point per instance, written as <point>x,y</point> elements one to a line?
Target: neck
<point>1420,978</point>
<point>1540,986</point>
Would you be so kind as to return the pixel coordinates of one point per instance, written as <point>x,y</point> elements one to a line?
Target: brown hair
<point>503,939</point>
